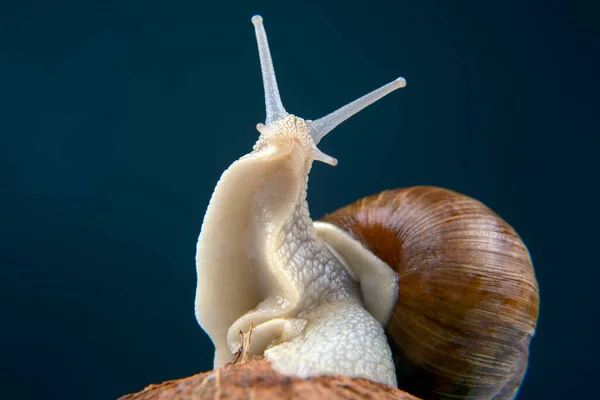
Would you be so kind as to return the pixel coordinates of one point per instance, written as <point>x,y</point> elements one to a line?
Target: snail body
<point>409,287</point>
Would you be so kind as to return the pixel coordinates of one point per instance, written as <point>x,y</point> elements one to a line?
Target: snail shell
<point>468,297</point>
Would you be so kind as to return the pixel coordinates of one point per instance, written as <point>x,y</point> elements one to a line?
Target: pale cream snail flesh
<point>437,273</point>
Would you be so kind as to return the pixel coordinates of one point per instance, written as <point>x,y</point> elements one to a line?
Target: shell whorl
<point>468,297</point>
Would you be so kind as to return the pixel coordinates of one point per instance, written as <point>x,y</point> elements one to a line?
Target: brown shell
<point>468,300</point>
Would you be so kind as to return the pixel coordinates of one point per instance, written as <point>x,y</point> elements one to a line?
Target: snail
<point>422,288</point>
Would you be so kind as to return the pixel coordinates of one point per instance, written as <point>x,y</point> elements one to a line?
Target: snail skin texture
<point>423,283</point>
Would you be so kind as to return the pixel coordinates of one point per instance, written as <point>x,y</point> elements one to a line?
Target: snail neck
<point>290,268</point>
<point>282,230</point>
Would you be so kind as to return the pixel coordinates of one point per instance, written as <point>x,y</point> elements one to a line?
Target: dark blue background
<point>118,117</point>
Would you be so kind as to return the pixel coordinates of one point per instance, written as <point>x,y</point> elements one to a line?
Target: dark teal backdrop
<point>117,119</point>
